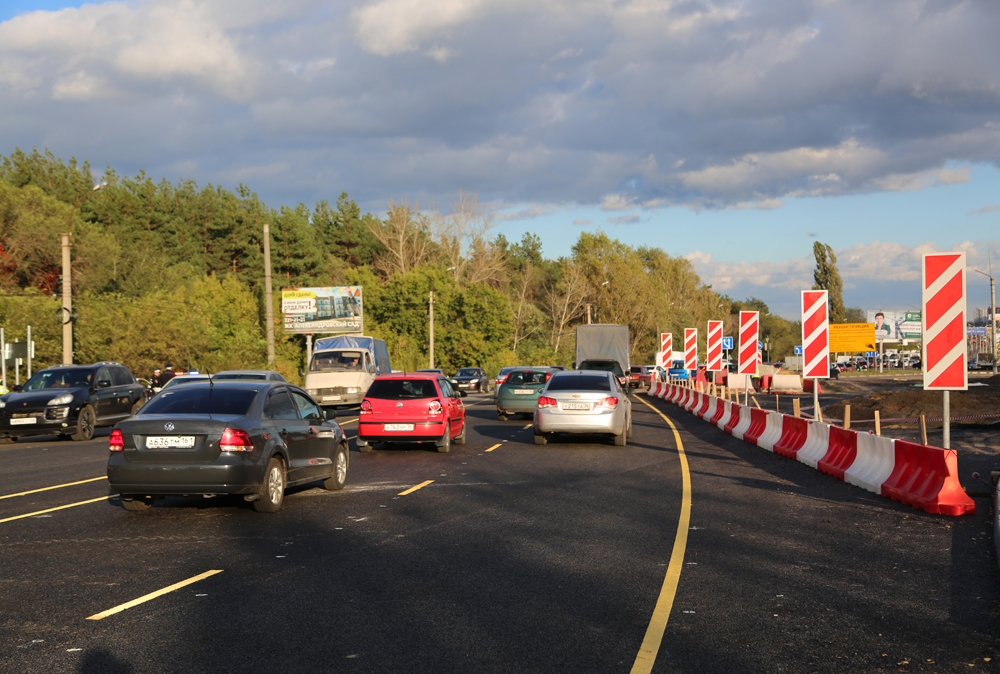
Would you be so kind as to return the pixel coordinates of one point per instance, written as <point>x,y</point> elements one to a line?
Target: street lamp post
<point>67,281</point>
<point>993,317</point>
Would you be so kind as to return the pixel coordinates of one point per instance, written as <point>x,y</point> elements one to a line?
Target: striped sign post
<point>714,357</point>
<point>691,348</point>
<point>815,335</point>
<point>945,361</point>
<point>749,335</point>
<point>667,345</point>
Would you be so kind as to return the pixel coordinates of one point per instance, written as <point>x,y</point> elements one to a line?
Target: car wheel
<point>620,438</point>
<point>460,440</point>
<point>272,492</point>
<point>444,444</point>
<point>501,416</point>
<point>540,439</point>
<point>136,504</point>
<point>138,404</point>
<point>85,424</point>
<point>337,481</point>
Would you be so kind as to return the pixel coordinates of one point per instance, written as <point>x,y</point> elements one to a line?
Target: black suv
<point>469,378</point>
<point>70,401</point>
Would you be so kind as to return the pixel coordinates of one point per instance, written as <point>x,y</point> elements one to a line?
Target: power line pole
<point>268,309</point>
<point>430,305</point>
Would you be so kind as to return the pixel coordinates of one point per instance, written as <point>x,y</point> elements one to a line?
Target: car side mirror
<point>330,414</point>
<point>103,383</point>
<point>302,372</point>
<point>17,388</point>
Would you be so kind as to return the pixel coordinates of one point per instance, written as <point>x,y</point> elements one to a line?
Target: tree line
<point>173,272</point>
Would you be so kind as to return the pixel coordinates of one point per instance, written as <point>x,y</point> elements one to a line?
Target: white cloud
<point>529,213</point>
<point>630,219</point>
<point>617,202</point>
<point>578,221</point>
<point>985,209</point>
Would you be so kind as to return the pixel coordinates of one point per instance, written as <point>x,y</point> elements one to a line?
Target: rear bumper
<point>513,405</point>
<point>423,431</point>
<point>548,421</point>
<point>149,479</point>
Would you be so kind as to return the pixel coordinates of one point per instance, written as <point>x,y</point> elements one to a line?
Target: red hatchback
<point>412,407</point>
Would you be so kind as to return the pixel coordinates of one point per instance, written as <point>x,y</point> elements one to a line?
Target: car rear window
<point>201,400</point>
<point>241,375</point>
<point>579,382</point>
<point>402,389</point>
<point>526,377</point>
<point>637,369</point>
<point>606,365</point>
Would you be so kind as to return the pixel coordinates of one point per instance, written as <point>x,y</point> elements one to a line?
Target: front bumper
<point>42,425</point>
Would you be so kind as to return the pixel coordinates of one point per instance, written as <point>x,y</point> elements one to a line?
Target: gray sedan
<point>583,402</point>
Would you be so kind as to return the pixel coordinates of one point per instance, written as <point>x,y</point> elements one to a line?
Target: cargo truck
<point>342,368</point>
<point>603,347</point>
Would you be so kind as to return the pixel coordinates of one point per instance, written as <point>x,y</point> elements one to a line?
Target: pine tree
<point>827,278</point>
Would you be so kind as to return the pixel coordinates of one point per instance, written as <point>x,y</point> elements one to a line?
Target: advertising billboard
<point>310,311</point>
<point>895,324</point>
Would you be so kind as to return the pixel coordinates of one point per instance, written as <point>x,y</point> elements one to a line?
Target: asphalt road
<point>516,558</point>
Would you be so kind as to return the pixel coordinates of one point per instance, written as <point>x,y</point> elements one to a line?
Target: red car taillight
<point>435,407</point>
<point>544,401</point>
<point>116,443</point>
<point>609,403</point>
<point>234,440</point>
<point>366,407</point>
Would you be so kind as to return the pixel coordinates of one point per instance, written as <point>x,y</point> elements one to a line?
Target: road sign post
<point>815,339</point>
<point>747,353</point>
<point>945,361</point>
<point>714,357</point>
<point>667,347</point>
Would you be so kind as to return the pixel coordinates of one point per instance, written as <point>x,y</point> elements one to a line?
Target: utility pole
<point>993,317</point>
<point>268,309</point>
<point>430,305</point>
<point>588,313</point>
<point>67,281</point>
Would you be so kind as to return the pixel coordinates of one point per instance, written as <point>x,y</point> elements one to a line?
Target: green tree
<point>826,277</point>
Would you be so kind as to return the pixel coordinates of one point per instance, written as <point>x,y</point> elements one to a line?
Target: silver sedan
<point>583,402</point>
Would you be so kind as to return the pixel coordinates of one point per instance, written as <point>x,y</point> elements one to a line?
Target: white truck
<point>342,368</point>
<point>603,347</point>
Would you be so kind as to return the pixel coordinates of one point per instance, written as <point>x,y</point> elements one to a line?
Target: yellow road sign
<point>852,337</point>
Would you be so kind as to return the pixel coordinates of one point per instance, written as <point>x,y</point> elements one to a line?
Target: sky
<point>735,133</point>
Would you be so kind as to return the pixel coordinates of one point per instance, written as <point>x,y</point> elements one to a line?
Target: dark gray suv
<point>70,401</point>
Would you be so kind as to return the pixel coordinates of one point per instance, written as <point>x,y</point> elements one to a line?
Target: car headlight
<point>312,391</point>
<point>64,399</point>
<point>2,404</point>
<point>473,381</point>
<point>354,390</point>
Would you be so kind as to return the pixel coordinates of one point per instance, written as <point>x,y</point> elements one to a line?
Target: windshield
<point>605,365</point>
<point>336,361</point>
<point>398,389</point>
<point>522,377</point>
<point>579,382</point>
<point>201,400</point>
<point>468,372</point>
<point>68,378</point>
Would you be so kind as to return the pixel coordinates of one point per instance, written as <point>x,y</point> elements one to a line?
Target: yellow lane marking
<point>349,421</point>
<point>413,489</point>
<point>351,437</point>
<point>529,426</point>
<point>661,613</point>
<point>492,448</point>
<point>58,486</point>
<point>153,595</point>
<point>63,507</point>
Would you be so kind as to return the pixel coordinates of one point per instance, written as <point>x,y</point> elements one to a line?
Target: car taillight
<point>234,440</point>
<point>548,375</point>
<point>544,401</point>
<point>366,407</point>
<point>116,443</point>
<point>609,403</point>
<point>435,407</point>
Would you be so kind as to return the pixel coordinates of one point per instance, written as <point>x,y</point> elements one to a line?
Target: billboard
<point>895,324</point>
<point>852,337</point>
<point>310,311</point>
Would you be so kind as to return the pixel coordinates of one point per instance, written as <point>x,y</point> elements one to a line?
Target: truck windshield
<point>336,361</point>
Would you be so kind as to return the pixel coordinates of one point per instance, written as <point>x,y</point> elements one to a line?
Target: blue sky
<point>732,132</point>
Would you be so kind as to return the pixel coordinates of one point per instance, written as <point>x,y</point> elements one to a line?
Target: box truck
<point>342,368</point>
<point>603,347</point>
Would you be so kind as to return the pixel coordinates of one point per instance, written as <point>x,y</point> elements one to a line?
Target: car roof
<point>419,374</point>
<point>533,368</point>
<point>570,373</point>
<point>263,373</point>
<point>258,384</point>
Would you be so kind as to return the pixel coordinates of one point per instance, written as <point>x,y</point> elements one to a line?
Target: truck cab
<point>343,368</point>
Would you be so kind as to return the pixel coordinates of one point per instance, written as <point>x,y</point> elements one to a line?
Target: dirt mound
<point>911,404</point>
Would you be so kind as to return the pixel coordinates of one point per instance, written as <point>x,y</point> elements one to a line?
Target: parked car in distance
<point>678,371</point>
<point>267,375</point>
<point>471,378</point>
<point>70,401</point>
<point>252,438</point>
<point>519,392</point>
<point>583,402</point>
<point>412,407</point>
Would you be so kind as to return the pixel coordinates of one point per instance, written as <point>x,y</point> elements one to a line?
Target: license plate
<point>398,427</point>
<point>325,398</point>
<point>23,422</point>
<point>576,406</point>
<point>170,442</point>
<point>523,391</point>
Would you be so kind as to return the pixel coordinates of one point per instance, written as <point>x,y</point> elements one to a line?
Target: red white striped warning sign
<point>691,348</point>
<point>945,360</point>
<point>667,345</point>
<point>714,346</point>
<point>749,334</point>
<point>815,334</point>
